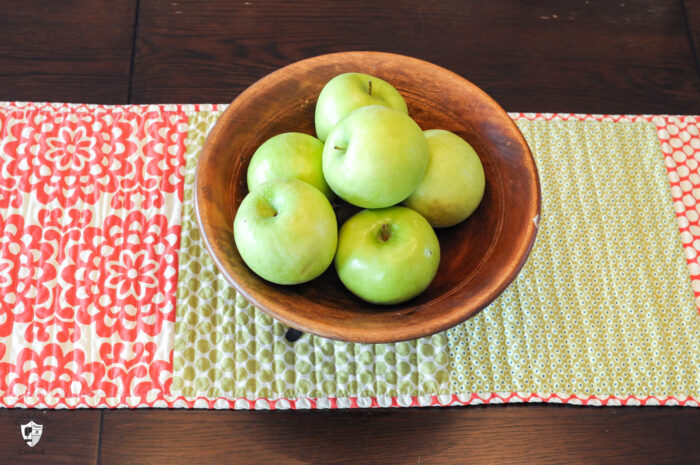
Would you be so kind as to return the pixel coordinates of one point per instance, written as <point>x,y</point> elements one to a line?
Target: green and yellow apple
<point>375,157</point>
<point>289,155</point>
<point>347,92</point>
<point>387,256</point>
<point>286,231</point>
<point>453,185</point>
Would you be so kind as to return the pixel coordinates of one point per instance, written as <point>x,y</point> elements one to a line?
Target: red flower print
<point>55,372</point>
<point>26,273</point>
<point>122,276</point>
<point>9,194</point>
<point>89,205</point>
<point>136,370</point>
<point>64,157</point>
<point>159,166</point>
<point>133,276</point>
<point>128,159</point>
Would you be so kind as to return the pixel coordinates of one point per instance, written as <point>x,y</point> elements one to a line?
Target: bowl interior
<point>479,257</point>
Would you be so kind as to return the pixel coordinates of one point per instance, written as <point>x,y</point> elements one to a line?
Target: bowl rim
<point>350,333</point>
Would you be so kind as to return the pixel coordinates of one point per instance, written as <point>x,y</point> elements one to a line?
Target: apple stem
<point>369,87</point>
<point>385,232</point>
<point>342,149</point>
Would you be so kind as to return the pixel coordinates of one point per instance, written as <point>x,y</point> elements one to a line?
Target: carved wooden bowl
<point>479,257</point>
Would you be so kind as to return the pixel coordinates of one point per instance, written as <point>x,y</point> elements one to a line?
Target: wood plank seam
<point>130,94</point>
<point>693,46</point>
<point>99,437</point>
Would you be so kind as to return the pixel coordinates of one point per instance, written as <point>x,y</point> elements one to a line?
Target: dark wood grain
<point>691,8</point>
<point>66,51</point>
<point>512,435</point>
<point>583,56</point>
<point>68,437</point>
<point>479,257</point>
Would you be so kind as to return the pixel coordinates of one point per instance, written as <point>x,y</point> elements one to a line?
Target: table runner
<point>108,298</point>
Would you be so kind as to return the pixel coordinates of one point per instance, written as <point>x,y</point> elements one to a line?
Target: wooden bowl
<point>479,257</point>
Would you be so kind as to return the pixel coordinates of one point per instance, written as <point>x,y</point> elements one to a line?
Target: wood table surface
<point>587,56</point>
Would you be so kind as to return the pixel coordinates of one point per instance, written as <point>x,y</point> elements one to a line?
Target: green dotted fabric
<point>602,307</point>
<point>604,304</point>
<point>225,347</point>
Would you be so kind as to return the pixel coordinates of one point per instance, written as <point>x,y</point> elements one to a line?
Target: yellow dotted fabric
<point>604,304</point>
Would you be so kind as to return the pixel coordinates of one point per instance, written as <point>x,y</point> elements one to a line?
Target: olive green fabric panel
<point>225,347</point>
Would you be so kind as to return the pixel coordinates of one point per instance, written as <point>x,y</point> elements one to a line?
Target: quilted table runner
<point>109,299</point>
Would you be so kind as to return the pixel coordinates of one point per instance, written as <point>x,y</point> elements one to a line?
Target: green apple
<point>375,157</point>
<point>289,155</point>
<point>286,231</point>
<point>453,185</point>
<point>387,256</point>
<point>347,92</point>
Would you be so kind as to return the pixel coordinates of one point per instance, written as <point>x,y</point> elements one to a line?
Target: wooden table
<point>588,56</point>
